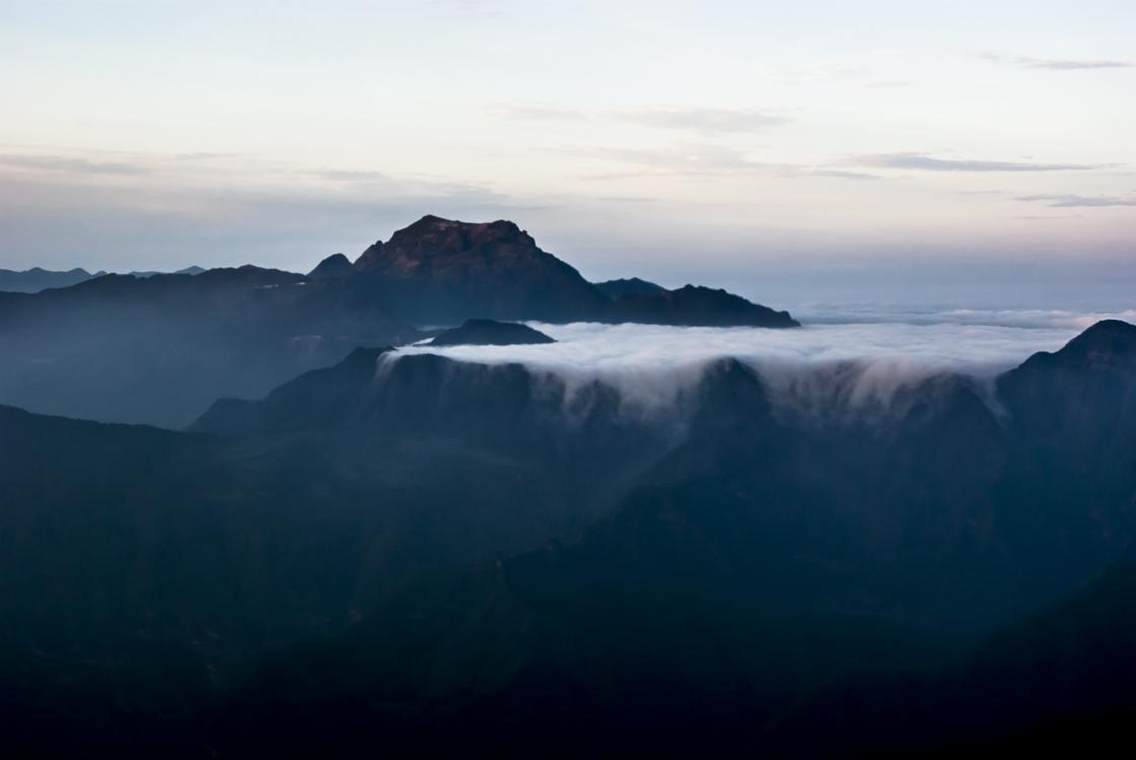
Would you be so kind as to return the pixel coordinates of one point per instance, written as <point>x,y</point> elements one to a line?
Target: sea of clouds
<point>861,362</point>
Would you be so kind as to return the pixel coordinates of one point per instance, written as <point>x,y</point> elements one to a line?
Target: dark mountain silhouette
<point>616,289</point>
<point>433,553</point>
<point>442,271</point>
<point>695,305</point>
<point>37,279</point>
<point>488,332</point>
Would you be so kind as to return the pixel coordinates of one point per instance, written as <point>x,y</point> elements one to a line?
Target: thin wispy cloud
<point>681,160</point>
<point>842,174</point>
<point>920,162</point>
<point>69,164</point>
<point>705,159</point>
<point>707,121</point>
<point>1058,64</point>
<point>206,156</point>
<point>348,175</point>
<point>1079,201</point>
<point>627,199</point>
<point>536,112</point>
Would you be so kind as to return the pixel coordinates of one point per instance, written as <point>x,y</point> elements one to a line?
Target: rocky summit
<point>439,270</point>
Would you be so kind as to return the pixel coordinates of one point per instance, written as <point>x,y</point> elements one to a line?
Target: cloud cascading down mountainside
<point>846,366</point>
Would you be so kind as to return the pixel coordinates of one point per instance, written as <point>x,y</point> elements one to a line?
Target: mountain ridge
<point>496,270</point>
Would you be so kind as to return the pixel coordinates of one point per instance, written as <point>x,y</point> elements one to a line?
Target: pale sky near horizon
<point>670,139</point>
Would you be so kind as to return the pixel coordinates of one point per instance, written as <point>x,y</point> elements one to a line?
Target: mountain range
<point>422,553</point>
<point>159,348</point>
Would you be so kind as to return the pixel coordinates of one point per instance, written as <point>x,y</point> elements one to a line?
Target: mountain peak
<point>628,286</point>
<point>1111,335</point>
<point>334,266</point>
<point>433,237</point>
<point>443,270</point>
<point>1107,343</point>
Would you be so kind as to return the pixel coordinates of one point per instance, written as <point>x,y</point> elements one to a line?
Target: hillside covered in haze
<point>421,552</point>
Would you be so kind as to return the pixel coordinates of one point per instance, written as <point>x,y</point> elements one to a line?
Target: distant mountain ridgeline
<point>429,552</point>
<point>36,279</point>
<point>159,348</point>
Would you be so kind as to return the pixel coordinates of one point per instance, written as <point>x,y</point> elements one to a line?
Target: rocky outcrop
<point>694,305</point>
<point>488,332</point>
<point>632,286</point>
<point>334,267</point>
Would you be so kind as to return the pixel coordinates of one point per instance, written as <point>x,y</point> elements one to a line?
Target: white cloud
<point>919,162</point>
<point>1079,201</point>
<point>1060,64</point>
<point>853,365</point>
<point>706,121</point>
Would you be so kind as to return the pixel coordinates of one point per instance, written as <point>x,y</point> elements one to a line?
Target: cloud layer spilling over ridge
<point>856,366</point>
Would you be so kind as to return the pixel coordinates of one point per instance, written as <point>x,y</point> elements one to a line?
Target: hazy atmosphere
<point>752,145</point>
<point>579,379</point>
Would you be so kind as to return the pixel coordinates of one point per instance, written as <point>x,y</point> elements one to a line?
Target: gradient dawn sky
<point>717,141</point>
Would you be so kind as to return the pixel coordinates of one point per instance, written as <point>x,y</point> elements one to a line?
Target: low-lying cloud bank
<point>821,368</point>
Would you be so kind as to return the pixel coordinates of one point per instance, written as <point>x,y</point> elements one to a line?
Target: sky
<point>797,148</point>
